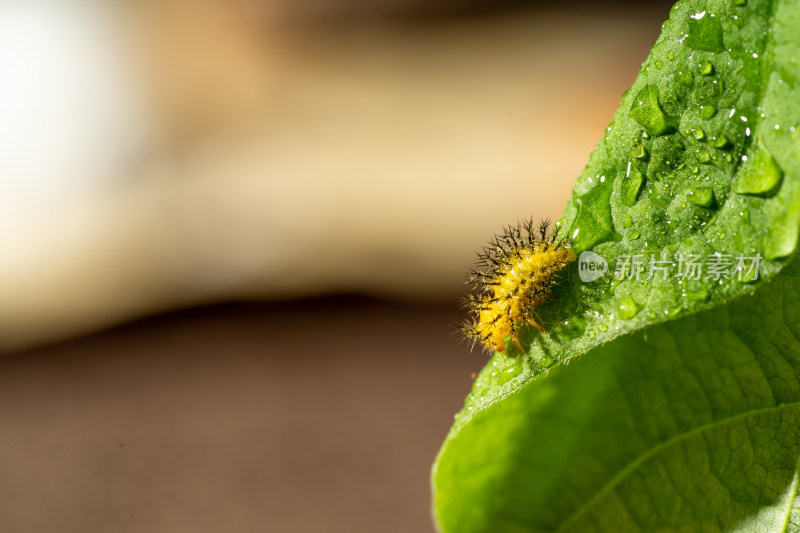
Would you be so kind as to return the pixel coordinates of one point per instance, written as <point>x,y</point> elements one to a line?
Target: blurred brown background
<point>316,177</point>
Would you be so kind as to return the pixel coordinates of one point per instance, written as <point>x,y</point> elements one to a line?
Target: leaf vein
<point>633,465</point>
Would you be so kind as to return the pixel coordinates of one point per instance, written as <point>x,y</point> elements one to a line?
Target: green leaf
<point>655,402</point>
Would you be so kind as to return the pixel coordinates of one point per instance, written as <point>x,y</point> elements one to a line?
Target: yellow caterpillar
<point>514,275</point>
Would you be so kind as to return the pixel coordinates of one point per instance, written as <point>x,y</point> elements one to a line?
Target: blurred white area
<point>70,112</point>
<point>161,154</point>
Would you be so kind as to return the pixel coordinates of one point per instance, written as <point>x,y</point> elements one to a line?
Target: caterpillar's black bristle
<point>514,274</point>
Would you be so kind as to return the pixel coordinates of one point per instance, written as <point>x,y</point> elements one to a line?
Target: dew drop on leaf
<point>631,185</point>
<point>781,239</point>
<point>759,174</point>
<point>627,308</point>
<point>721,142</point>
<point>698,294</point>
<point>545,361</point>
<point>701,196</point>
<point>627,221</point>
<point>648,113</point>
<point>684,77</point>
<point>745,214</point>
<point>511,372</point>
<point>639,151</point>
<point>707,111</point>
<point>594,224</point>
<point>704,32</point>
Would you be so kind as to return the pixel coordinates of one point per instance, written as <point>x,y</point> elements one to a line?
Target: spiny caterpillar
<point>514,275</point>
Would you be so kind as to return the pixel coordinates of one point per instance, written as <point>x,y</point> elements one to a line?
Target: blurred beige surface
<point>216,156</point>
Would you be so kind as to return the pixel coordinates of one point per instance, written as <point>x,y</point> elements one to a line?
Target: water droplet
<point>591,334</point>
<point>631,185</point>
<point>576,327</point>
<point>639,151</point>
<point>633,235</point>
<point>659,64</point>
<point>699,134</point>
<point>648,113</point>
<point>703,156</point>
<point>545,362</point>
<point>705,68</point>
<point>704,33</point>
<point>781,239</point>
<point>759,174</point>
<point>602,327</point>
<point>684,77</point>
<point>511,372</point>
<point>627,308</point>
<point>627,221</point>
<point>701,196</point>
<point>698,295</point>
<point>707,111</point>
<point>670,55</point>
<point>721,142</point>
<point>594,224</point>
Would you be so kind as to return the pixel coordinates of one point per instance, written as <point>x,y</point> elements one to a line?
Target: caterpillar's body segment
<point>515,274</point>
